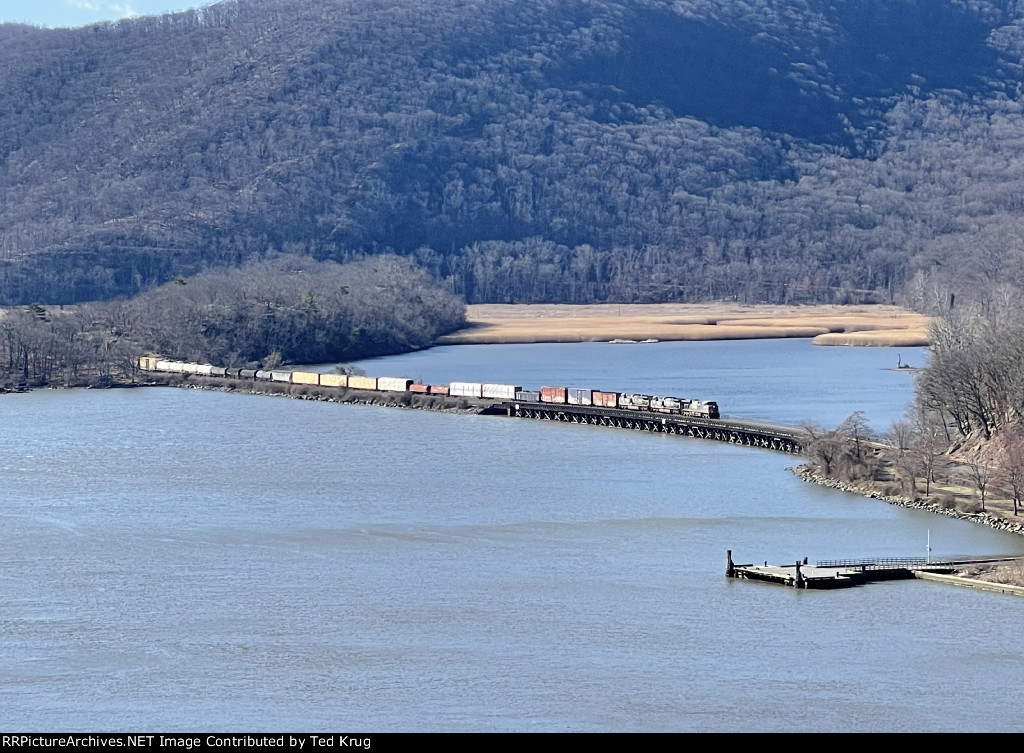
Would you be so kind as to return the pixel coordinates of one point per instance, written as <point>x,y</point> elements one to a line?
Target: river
<point>182,560</point>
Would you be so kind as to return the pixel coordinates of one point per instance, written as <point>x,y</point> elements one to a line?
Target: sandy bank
<point>828,325</point>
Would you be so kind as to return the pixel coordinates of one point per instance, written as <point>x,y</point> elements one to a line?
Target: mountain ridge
<point>564,151</point>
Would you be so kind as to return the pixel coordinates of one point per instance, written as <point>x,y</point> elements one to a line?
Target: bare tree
<point>824,446</point>
<point>979,474</point>
<point>857,429</point>
<point>901,437</point>
<point>1010,463</point>
<point>930,447</point>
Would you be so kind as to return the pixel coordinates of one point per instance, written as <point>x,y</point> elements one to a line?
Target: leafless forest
<point>536,150</point>
<point>289,309</point>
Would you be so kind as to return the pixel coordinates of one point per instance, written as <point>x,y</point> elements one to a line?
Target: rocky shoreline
<point>805,473</point>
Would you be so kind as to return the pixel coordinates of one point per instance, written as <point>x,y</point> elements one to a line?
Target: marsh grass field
<point>563,323</point>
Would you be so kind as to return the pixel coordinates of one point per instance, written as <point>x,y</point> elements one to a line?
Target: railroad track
<point>747,433</point>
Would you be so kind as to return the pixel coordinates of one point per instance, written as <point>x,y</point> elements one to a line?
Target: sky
<point>56,13</point>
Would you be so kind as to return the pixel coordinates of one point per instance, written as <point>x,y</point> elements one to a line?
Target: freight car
<point>627,401</point>
<point>478,390</point>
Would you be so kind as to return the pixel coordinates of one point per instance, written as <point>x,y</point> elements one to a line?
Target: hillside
<point>536,150</point>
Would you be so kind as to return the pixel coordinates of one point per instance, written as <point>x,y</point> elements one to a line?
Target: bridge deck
<point>780,438</point>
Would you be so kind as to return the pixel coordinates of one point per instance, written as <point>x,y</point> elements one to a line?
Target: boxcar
<point>553,394</point>
<point>362,382</point>
<point>578,396</point>
<point>500,391</point>
<point>466,389</point>
<point>393,384</point>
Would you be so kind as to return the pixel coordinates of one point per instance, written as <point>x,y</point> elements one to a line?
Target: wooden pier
<point>846,573</point>
<point>839,573</point>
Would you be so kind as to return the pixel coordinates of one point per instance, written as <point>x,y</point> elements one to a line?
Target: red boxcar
<point>439,389</point>
<point>606,399</point>
<point>419,388</point>
<point>552,394</point>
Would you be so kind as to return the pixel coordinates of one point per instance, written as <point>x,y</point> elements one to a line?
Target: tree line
<point>966,423</point>
<point>285,309</point>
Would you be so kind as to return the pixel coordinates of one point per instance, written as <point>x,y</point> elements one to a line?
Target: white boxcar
<point>500,391</point>
<point>465,389</point>
<point>281,376</point>
<point>393,384</point>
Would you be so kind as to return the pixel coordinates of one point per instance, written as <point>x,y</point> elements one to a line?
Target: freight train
<point>480,390</point>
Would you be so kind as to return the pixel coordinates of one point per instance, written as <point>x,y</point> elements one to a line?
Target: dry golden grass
<point>1005,573</point>
<point>901,338</point>
<point>853,325</point>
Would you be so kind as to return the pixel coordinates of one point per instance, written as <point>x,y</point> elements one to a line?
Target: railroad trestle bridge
<point>747,433</point>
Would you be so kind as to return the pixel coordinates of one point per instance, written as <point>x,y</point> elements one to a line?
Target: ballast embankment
<point>437,403</point>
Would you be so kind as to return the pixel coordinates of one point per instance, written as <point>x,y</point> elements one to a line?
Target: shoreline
<point>972,578</point>
<point>997,522</point>
<point>876,325</point>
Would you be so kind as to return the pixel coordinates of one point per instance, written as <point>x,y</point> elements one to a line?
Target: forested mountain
<point>523,150</point>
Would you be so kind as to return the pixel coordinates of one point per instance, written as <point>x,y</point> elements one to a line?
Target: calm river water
<point>181,560</point>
